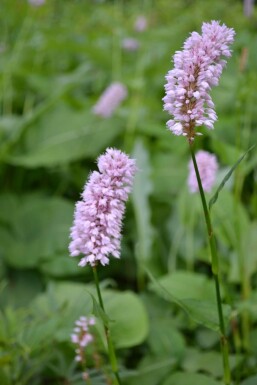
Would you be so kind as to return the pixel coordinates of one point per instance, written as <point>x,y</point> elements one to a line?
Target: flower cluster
<point>196,69</point>
<point>81,336</point>
<point>208,167</point>
<point>110,99</point>
<point>96,231</point>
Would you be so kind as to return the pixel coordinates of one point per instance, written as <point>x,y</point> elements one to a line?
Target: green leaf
<point>99,312</point>
<point>60,266</point>
<point>142,189</point>
<point>130,324</point>
<point>63,135</point>
<point>190,379</point>
<point>35,228</point>
<point>186,284</point>
<point>208,362</point>
<point>128,328</point>
<point>250,381</point>
<point>193,293</point>
<point>4,377</point>
<point>151,371</point>
<point>226,178</point>
<point>13,127</point>
<point>165,340</point>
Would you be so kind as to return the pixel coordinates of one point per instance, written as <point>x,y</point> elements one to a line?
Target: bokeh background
<point>56,59</point>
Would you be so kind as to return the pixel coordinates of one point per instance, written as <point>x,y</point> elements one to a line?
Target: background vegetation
<point>55,62</point>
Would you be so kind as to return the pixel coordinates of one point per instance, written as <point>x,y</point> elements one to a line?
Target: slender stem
<point>111,350</point>
<point>215,272</point>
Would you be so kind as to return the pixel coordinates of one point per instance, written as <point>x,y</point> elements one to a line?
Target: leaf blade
<point>226,178</point>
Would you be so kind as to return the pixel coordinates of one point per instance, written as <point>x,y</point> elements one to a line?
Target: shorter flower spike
<point>208,167</point>
<point>96,231</point>
<point>81,336</point>
<point>110,100</point>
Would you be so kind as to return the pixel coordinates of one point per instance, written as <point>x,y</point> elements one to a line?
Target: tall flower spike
<point>197,68</point>
<point>208,167</point>
<point>96,231</point>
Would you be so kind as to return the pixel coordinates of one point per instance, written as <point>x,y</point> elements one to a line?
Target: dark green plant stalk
<point>215,272</point>
<point>111,350</point>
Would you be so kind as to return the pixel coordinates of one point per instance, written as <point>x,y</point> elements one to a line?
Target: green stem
<point>215,272</point>
<point>111,350</point>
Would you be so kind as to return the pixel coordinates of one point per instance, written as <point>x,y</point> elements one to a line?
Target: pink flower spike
<point>208,167</point>
<point>197,68</point>
<point>96,230</point>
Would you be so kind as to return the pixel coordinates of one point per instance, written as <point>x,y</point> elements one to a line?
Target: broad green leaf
<point>60,266</point>
<point>208,362</point>
<point>63,135</point>
<point>66,301</point>
<point>4,377</point>
<point>180,378</point>
<point>194,295</point>
<point>130,324</point>
<point>21,289</point>
<point>13,127</point>
<point>205,312</point>
<point>186,284</point>
<point>250,381</point>
<point>128,328</point>
<point>35,227</point>
<point>165,340</point>
<point>142,189</point>
<point>226,178</point>
<point>151,371</point>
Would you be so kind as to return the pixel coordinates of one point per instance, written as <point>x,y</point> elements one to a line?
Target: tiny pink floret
<point>96,231</point>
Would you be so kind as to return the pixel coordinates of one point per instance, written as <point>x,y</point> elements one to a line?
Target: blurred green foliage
<point>55,61</point>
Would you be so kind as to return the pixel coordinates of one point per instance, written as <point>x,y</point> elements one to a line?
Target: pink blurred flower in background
<point>140,24</point>
<point>208,167</point>
<point>130,44</point>
<point>37,3</point>
<point>110,99</point>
